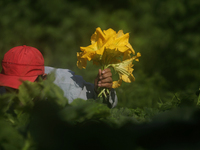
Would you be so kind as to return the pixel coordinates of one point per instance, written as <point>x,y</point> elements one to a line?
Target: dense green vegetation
<point>39,117</point>
<point>160,103</point>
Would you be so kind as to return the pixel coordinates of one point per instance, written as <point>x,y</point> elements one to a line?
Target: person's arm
<point>74,86</point>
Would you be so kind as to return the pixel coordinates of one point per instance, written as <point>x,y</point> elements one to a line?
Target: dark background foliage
<point>165,32</point>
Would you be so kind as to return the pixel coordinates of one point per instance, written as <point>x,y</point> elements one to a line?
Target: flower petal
<point>117,84</point>
<point>97,35</point>
<point>81,63</point>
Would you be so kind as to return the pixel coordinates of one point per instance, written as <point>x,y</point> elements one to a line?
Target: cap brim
<point>14,81</point>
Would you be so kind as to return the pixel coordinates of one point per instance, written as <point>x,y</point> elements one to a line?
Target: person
<point>23,63</point>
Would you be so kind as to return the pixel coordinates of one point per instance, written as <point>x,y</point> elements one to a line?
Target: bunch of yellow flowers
<point>110,49</point>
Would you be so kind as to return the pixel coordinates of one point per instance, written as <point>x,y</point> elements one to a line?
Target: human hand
<point>103,79</point>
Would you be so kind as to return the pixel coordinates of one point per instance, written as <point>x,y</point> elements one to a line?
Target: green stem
<point>102,91</point>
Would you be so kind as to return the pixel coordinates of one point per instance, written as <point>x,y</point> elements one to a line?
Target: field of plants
<point>159,110</point>
<point>39,117</point>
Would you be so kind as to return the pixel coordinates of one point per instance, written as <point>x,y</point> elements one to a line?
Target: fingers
<point>106,73</point>
<point>106,70</point>
<point>105,79</point>
<point>105,85</point>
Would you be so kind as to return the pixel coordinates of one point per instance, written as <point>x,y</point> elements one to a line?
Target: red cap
<point>19,64</point>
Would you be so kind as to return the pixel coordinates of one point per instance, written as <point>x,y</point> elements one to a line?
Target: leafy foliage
<point>39,117</point>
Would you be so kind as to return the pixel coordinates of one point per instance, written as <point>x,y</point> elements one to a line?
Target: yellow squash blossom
<point>106,46</point>
<point>110,49</point>
<point>98,42</point>
<point>124,69</point>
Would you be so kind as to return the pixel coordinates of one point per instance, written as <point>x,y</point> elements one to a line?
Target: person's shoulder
<point>61,75</point>
<point>49,69</point>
